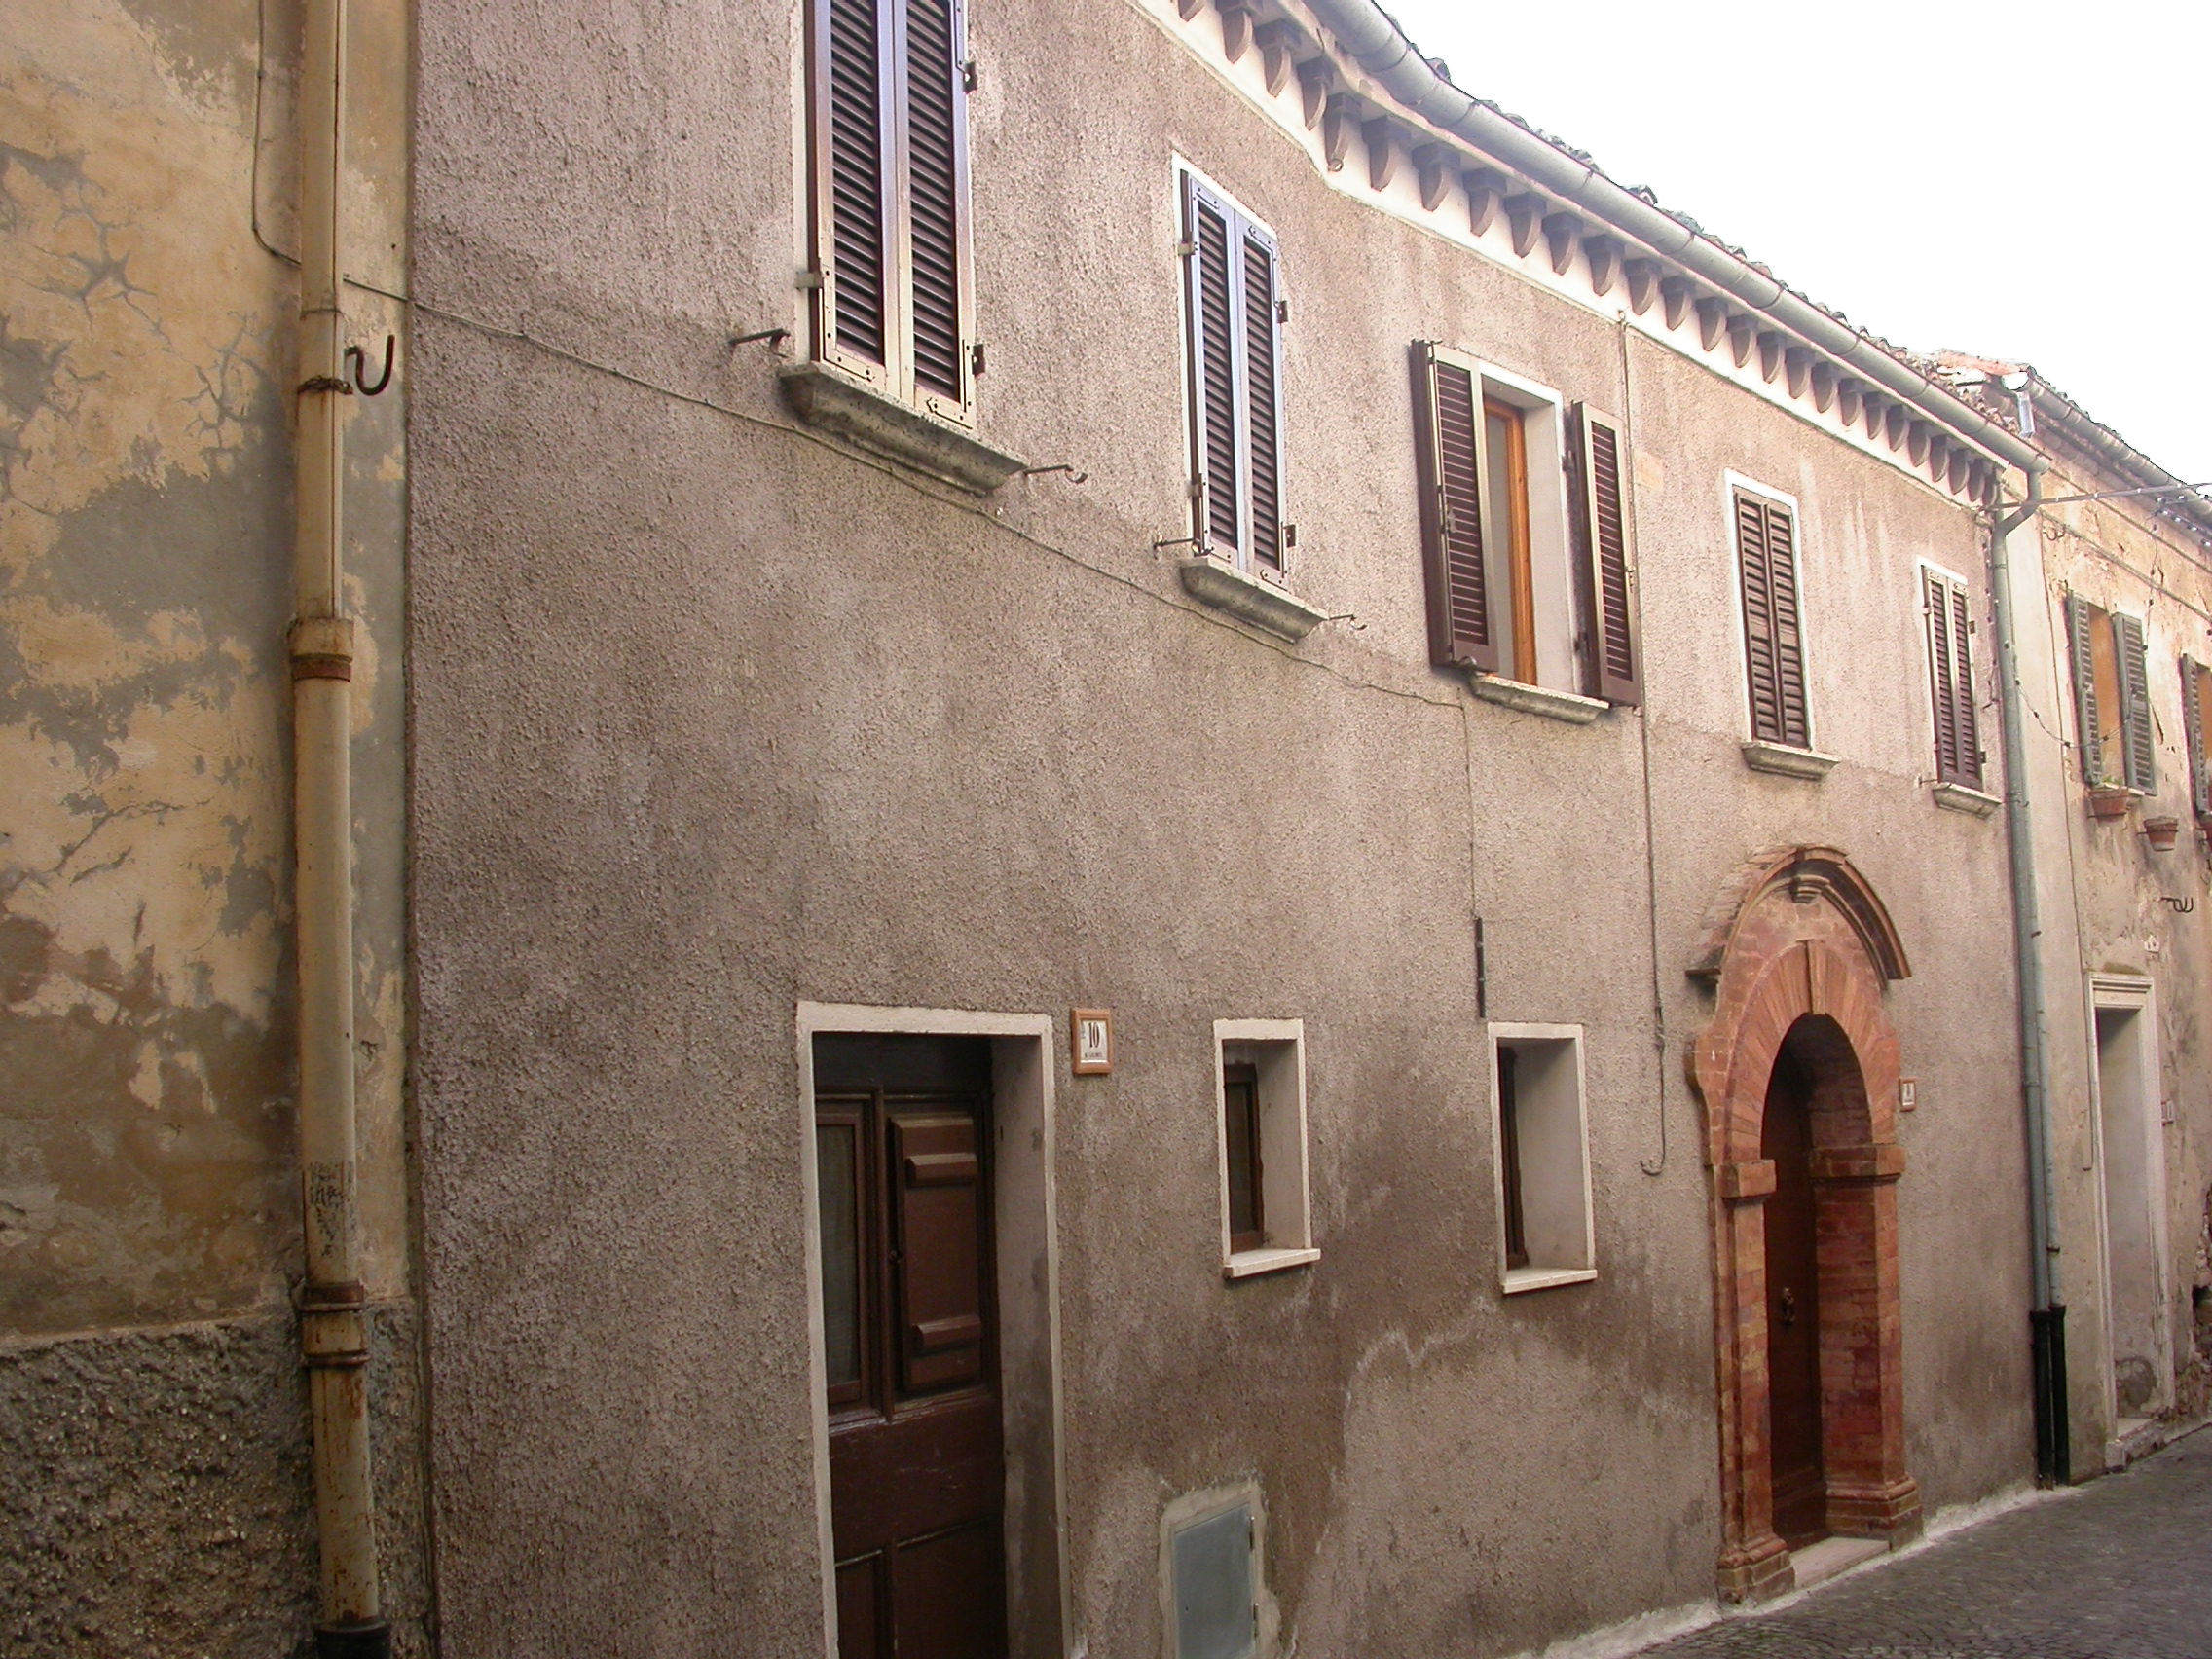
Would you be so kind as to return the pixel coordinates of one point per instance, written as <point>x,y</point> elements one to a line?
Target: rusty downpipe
<point>333,1303</point>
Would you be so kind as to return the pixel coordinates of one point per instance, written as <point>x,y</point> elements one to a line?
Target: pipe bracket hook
<point>358,360</point>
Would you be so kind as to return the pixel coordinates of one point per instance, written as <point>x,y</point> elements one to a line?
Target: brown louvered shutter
<point>2080,624</point>
<point>1616,665</point>
<point>2139,750</point>
<point>2196,693</point>
<point>936,202</point>
<point>852,201</point>
<point>1448,429</point>
<point>1773,648</point>
<point>1262,398</point>
<point>1950,668</point>
<point>1212,328</point>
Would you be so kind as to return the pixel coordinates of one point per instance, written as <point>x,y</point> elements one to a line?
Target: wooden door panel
<point>917,1466</point>
<point>1792,1312</point>
<point>921,1472</point>
<point>860,1632</point>
<point>950,1595</point>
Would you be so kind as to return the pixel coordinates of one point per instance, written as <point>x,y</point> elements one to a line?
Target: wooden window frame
<point>1512,539</point>
<point>1247,548</point>
<point>894,375</point>
<point>1515,1220</point>
<point>1771,725</point>
<point>1946,605</point>
<point>1242,1077</point>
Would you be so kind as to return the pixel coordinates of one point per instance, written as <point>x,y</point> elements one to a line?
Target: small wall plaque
<point>1090,1041</point>
<point>1908,1094</point>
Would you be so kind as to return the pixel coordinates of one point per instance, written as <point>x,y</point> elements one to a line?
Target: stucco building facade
<point>1095,747</point>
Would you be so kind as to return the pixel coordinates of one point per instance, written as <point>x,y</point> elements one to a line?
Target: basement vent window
<point>1213,1584</point>
<point>1545,1231</point>
<point>1260,1091</point>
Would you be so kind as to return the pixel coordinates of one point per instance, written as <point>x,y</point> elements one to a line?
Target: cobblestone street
<point>2120,1570</point>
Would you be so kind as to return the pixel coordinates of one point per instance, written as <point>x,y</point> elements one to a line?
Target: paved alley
<point>2120,1570</point>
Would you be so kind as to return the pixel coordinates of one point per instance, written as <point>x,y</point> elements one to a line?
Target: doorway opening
<point>2132,1194</point>
<point>932,1322</point>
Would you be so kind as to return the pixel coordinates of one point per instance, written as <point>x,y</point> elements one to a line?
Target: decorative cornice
<point>1555,198</point>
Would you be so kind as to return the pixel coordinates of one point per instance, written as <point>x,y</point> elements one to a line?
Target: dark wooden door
<point>1792,1310</point>
<point>918,1469</point>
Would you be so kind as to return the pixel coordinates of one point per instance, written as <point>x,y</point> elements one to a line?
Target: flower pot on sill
<point>2160,833</point>
<point>2107,802</point>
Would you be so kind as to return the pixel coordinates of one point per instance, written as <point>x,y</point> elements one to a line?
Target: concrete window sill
<point>1786,762</point>
<point>1957,797</point>
<point>1537,699</point>
<point>1250,1263</point>
<point>1247,598</point>
<point>1520,1279</point>
<point>828,398</point>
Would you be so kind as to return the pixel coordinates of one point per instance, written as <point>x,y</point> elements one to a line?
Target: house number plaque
<point>1090,1041</point>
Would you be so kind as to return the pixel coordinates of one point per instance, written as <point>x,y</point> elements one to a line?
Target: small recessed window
<point>1545,1233</point>
<point>1260,1100</point>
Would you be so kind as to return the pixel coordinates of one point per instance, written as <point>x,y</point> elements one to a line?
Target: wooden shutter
<point>2196,689</point>
<point>1448,450</point>
<point>1609,615</point>
<point>941,1305</point>
<point>1263,396</point>
<point>2139,750</point>
<point>2080,623</point>
<point>940,282</point>
<point>854,121</point>
<point>1773,644</point>
<point>1950,674</point>
<point>1212,326</point>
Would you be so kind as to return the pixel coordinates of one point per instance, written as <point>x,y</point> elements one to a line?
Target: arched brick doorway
<point>1798,950</point>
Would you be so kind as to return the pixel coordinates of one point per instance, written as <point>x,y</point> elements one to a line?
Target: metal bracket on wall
<point>358,362</point>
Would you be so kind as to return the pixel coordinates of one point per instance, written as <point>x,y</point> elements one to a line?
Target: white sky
<point>2022,180</point>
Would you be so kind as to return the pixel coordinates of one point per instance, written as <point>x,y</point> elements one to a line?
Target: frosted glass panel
<point>1213,1587</point>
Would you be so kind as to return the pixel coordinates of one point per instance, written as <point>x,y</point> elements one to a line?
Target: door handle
<point>1788,1306</point>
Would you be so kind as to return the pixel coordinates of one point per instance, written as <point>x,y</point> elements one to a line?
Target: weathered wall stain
<point>147,1136</point>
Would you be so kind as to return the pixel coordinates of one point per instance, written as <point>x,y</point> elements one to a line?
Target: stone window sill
<point>1250,1263</point>
<point>1247,598</point>
<point>834,401</point>
<point>1959,799</point>
<point>1537,699</point>
<point>1520,1279</point>
<point>1784,761</point>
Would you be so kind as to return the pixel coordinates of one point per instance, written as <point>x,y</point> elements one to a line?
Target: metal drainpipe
<point>2047,1319</point>
<point>333,1318</point>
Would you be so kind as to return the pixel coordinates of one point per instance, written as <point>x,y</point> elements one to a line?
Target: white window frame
<point>1286,1189</point>
<point>1542,1275</point>
<point>1559,665</point>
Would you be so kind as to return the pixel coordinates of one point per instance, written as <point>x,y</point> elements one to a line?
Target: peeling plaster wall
<point>2106,912</point>
<point>147,1169</point>
<point>712,716</point>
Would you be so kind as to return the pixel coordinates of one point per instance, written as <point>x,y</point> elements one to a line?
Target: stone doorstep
<point>1831,1557</point>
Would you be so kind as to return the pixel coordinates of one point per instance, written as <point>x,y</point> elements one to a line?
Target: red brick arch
<point>1798,942</point>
